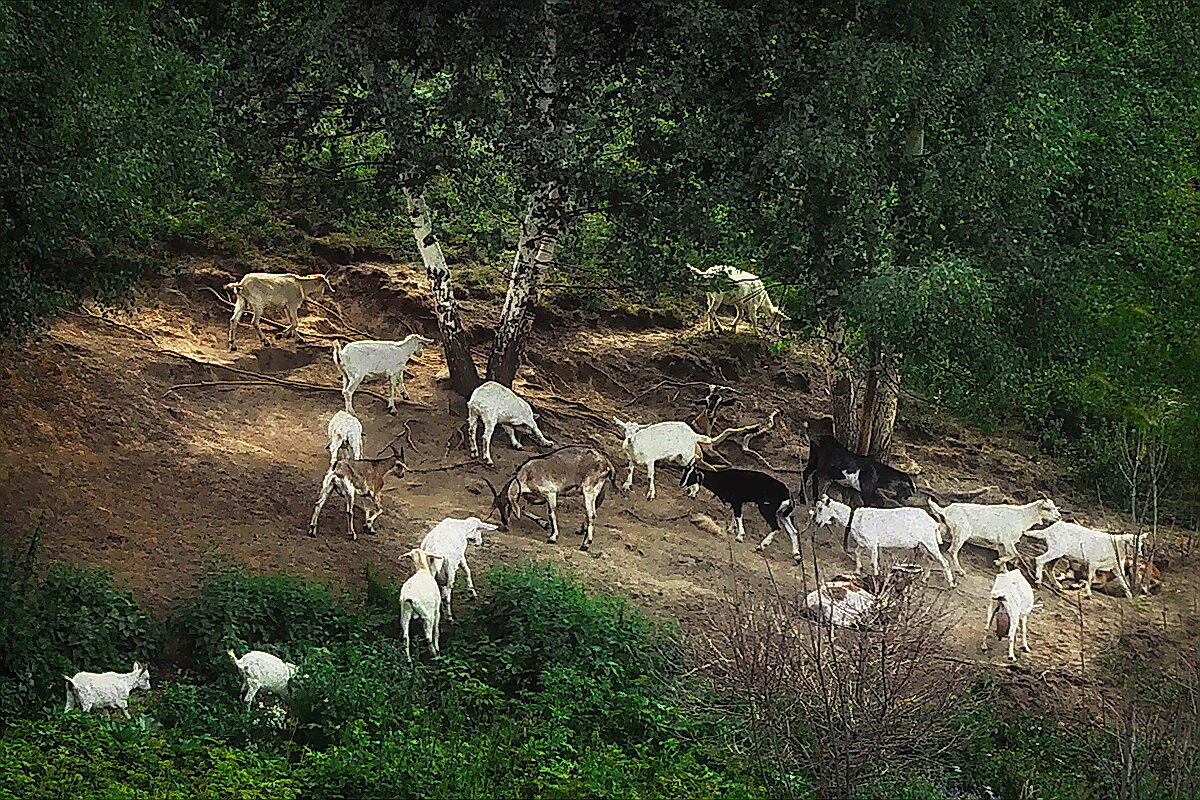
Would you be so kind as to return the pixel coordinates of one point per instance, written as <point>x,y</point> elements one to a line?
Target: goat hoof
<point>758,549</point>
<point>583,548</point>
<point>393,411</point>
<point>1012,658</point>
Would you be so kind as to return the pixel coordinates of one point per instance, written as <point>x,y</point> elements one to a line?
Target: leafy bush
<point>59,623</point>
<point>282,614</point>
<point>82,757</point>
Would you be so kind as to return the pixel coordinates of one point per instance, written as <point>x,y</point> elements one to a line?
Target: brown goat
<point>565,471</point>
<point>358,481</point>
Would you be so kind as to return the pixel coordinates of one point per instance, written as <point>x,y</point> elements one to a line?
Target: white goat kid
<point>88,690</point>
<point>1096,549</point>
<point>344,430</point>
<point>995,526</point>
<point>746,292</point>
<point>263,671</point>
<point>421,596</point>
<point>1009,607</point>
<point>263,290</point>
<point>875,528</point>
<point>673,442</point>
<point>448,540</point>
<point>359,360</point>
<point>495,404</point>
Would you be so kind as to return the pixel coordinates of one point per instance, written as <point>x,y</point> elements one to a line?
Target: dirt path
<point>143,481</point>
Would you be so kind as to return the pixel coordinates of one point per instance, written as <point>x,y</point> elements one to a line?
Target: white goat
<point>448,540</point>
<point>88,690</point>
<point>874,528</point>
<point>420,595</point>
<point>841,603</point>
<point>1009,607</point>
<point>995,526</point>
<point>344,430</point>
<point>495,404</point>
<point>674,442</point>
<point>1096,549</point>
<point>263,290</point>
<point>746,292</point>
<point>263,671</point>
<point>359,360</point>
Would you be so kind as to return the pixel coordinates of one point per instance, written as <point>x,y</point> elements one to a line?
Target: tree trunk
<point>464,377</point>
<point>886,402</point>
<point>539,231</point>
<point>842,388</point>
<point>535,251</point>
<point>866,424</point>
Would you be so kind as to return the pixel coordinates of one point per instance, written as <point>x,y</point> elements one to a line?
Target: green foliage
<point>235,609</point>
<point>61,621</point>
<point>84,758</point>
<point>106,125</point>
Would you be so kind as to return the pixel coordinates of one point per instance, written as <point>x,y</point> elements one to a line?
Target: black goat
<point>736,487</point>
<point>829,459</point>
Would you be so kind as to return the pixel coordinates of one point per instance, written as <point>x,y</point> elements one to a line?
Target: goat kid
<point>421,596</point>
<point>1009,607</point>
<point>363,359</point>
<point>495,404</point>
<point>264,290</point>
<point>359,481</point>
<point>736,487</point>
<point>569,470</point>
<point>830,460</point>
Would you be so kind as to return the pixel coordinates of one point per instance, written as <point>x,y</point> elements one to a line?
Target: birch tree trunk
<point>464,377</point>
<point>535,251</point>
<point>543,220</point>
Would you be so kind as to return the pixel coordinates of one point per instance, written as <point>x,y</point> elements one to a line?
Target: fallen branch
<point>337,314</point>
<point>672,382</point>
<point>459,432</point>
<point>114,323</point>
<point>423,470</point>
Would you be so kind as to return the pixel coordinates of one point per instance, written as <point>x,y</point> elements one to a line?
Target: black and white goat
<point>829,459</point>
<point>736,487</point>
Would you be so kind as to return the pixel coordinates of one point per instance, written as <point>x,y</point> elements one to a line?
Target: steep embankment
<point>139,449</point>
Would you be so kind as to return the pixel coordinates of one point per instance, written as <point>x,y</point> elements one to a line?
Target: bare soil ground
<point>128,473</point>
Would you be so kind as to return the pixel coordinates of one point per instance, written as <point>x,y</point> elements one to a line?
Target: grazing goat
<point>744,291</point>
<point>873,528</point>
<point>1096,549</point>
<point>359,360</point>
<point>1008,608</point>
<point>263,671</point>
<point>673,442</point>
<point>358,480</point>
<point>448,541</point>
<point>995,526</point>
<point>88,690</point>
<point>495,404</point>
<point>564,472</point>
<point>829,459</point>
<point>421,595</point>
<point>263,290</point>
<point>736,487</point>
<point>344,430</point>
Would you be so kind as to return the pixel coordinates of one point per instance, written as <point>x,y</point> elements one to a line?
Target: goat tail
<point>846,534</point>
<point>234,286</point>
<point>232,656</point>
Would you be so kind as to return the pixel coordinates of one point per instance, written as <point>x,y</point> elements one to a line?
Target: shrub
<point>59,623</point>
<point>84,757</point>
<point>282,614</point>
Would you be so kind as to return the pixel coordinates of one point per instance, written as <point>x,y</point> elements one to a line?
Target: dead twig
<point>672,382</point>
<point>443,468</point>
<point>458,432</point>
<point>114,323</point>
<point>337,315</point>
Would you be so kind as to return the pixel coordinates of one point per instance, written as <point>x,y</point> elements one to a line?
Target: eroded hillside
<point>139,443</point>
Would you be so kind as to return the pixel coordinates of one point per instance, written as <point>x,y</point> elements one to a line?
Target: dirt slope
<point>129,474</point>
